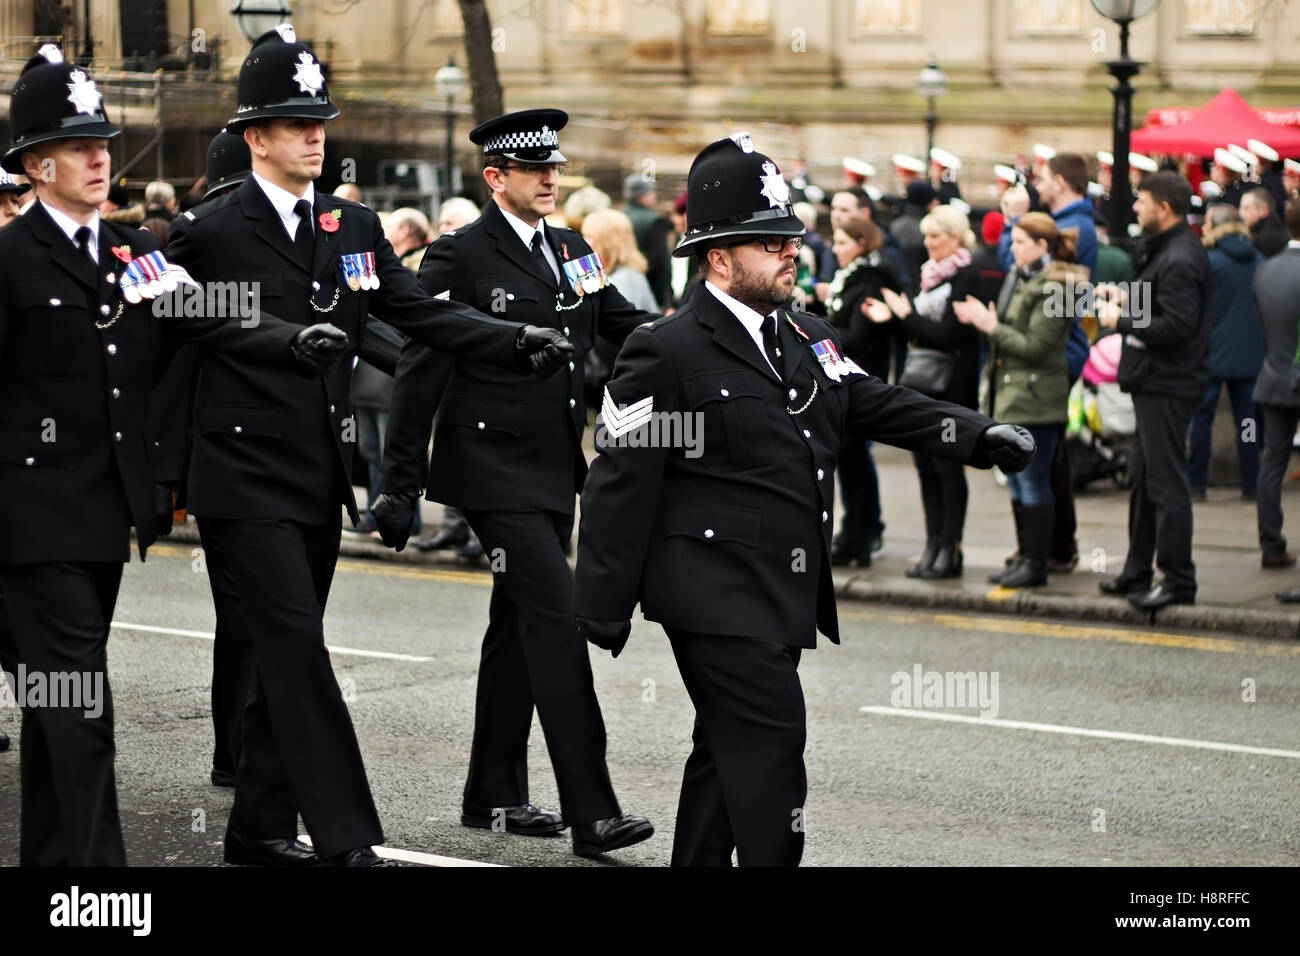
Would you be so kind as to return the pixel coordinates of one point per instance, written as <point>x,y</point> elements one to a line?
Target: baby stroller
<point>1101,419</point>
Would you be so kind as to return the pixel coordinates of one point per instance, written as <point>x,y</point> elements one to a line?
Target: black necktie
<point>771,344</point>
<point>541,256</point>
<point>302,239</point>
<point>83,242</point>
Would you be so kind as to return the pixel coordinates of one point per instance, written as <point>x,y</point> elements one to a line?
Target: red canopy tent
<point>1225,119</point>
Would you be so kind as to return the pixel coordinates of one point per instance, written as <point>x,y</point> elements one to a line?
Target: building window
<point>447,21</point>
<point>588,18</point>
<point>738,18</point>
<point>1221,17</point>
<point>886,16</point>
<point>1047,17</point>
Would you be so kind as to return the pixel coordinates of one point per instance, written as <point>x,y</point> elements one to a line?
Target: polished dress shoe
<point>361,856</point>
<point>1277,559</point>
<point>601,836</point>
<point>444,537</point>
<point>222,778</point>
<point>280,851</point>
<point>527,820</point>
<point>1062,565</point>
<point>946,563</point>
<point>4,742</point>
<point>1122,586</point>
<point>927,558</point>
<point>1289,597</point>
<point>1160,596</point>
<point>471,549</point>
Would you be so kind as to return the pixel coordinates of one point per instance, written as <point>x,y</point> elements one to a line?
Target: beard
<point>761,293</point>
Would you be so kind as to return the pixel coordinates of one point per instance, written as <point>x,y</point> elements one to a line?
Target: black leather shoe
<point>276,852</point>
<point>527,820</point>
<point>946,564</point>
<point>1286,597</point>
<point>361,856</point>
<point>1122,586</point>
<point>222,778</point>
<point>593,839</point>
<point>1158,597</point>
<point>927,558</point>
<point>4,743</point>
<point>471,549</point>
<point>443,538</point>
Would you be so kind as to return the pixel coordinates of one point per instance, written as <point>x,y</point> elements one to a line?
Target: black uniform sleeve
<point>619,318</point>
<point>418,384</point>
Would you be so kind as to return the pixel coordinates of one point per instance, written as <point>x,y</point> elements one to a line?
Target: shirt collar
<point>751,320</point>
<point>283,200</point>
<point>522,229</point>
<point>70,225</point>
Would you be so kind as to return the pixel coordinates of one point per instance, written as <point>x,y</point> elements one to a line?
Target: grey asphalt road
<point>890,785</point>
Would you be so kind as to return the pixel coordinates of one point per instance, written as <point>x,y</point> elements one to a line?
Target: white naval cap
<point>1043,152</point>
<point>857,166</point>
<point>1006,174</point>
<point>944,158</point>
<point>1243,154</point>
<point>1262,150</point>
<point>1229,161</point>
<point>908,164</point>
<point>1105,158</point>
<point>1145,163</point>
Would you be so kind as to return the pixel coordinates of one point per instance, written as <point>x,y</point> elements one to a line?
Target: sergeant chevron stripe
<point>620,421</point>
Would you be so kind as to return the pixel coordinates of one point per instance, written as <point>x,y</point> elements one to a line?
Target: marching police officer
<point>272,456</point>
<point>510,457</point>
<point>730,548</point>
<point>78,349</point>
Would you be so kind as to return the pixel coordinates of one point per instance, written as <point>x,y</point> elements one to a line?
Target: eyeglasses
<point>772,243</point>
<point>537,169</point>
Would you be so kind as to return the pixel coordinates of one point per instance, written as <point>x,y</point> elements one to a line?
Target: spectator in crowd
<point>1259,213</point>
<point>1236,348</point>
<point>1027,383</point>
<point>815,254</point>
<point>942,362</point>
<point>582,202</point>
<point>159,226</point>
<point>1113,263</point>
<point>160,200</point>
<point>651,231</point>
<point>119,208</point>
<point>988,265</point>
<point>1276,290</point>
<point>919,199</point>
<point>349,191</point>
<point>1164,365</point>
<point>855,202</point>
<point>454,213</point>
<point>684,277</point>
<point>863,274</point>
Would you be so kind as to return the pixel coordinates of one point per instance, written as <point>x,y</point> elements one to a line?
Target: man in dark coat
<point>272,458</point>
<point>1259,213</point>
<point>509,455</point>
<point>1164,365</point>
<point>728,545</point>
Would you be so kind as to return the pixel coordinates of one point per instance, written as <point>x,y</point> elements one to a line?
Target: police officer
<point>272,456</point>
<point>729,548</point>
<point>78,348</point>
<point>510,456</point>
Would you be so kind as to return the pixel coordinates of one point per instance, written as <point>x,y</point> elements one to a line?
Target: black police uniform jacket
<point>273,445</point>
<point>76,467</point>
<point>734,537</point>
<point>500,443</point>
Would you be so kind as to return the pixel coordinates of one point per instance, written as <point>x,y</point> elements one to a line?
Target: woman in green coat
<point>1026,381</point>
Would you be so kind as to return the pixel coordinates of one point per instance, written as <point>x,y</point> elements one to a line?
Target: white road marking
<point>415,856</point>
<point>1082,731</point>
<point>209,636</point>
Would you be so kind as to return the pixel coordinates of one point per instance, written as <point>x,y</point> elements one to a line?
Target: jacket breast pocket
<point>516,300</point>
<point>61,339</point>
<point>240,421</point>
<point>714,524</point>
<point>38,448</point>
<point>488,418</point>
<point>730,419</point>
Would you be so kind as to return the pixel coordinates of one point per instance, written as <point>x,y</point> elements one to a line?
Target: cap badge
<point>774,190</point>
<point>51,53</point>
<point>82,93</point>
<point>743,141</point>
<point>307,74</point>
<point>549,137</point>
<point>286,33</point>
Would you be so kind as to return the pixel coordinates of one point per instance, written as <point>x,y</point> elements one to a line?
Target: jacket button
<point>482,425</point>
<point>572,402</point>
<point>104,310</point>
<point>29,462</point>
<point>117,436</point>
<point>708,533</point>
<point>331,409</point>
<point>112,349</point>
<point>820,474</point>
<point>792,393</point>
<point>566,330</point>
<point>570,366</point>
<point>724,393</point>
<point>315,287</point>
<point>110,278</point>
<point>117,393</point>
<point>807,433</point>
<point>239,429</point>
<point>56,302</point>
<point>510,296</point>
<point>825,516</point>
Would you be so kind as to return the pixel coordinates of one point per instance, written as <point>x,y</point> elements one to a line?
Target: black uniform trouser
<point>744,787</point>
<point>232,657</point>
<point>60,613</point>
<point>300,752</point>
<point>1276,431</point>
<point>1160,504</point>
<point>532,656</point>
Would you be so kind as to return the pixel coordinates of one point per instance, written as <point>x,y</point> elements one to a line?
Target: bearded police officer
<point>79,346</point>
<point>271,464</point>
<point>728,545</point>
<point>510,456</point>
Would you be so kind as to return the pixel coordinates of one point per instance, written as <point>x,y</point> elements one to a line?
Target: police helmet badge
<point>774,190</point>
<point>307,74</point>
<point>82,93</point>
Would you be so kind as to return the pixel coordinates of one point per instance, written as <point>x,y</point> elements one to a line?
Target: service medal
<point>131,294</point>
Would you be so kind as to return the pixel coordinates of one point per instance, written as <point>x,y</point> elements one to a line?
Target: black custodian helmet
<point>280,78</point>
<point>53,100</point>
<point>229,162</point>
<point>732,190</point>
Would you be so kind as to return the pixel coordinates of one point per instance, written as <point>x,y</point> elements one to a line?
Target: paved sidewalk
<point>1235,594</point>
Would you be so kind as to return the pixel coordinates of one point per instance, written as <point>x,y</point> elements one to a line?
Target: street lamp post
<point>255,17</point>
<point>450,83</point>
<point>1123,69</point>
<point>932,84</point>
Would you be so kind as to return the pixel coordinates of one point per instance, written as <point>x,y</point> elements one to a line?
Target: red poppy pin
<point>329,221</point>
<point>123,253</point>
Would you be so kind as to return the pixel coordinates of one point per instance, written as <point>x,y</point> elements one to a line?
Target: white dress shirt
<point>526,233</point>
<point>70,227</point>
<point>284,201</point>
<point>751,320</point>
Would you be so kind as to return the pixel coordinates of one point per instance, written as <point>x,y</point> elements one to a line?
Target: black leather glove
<point>163,506</point>
<point>608,635</point>
<point>319,348</point>
<point>544,351</point>
<point>393,514</point>
<point>1010,447</point>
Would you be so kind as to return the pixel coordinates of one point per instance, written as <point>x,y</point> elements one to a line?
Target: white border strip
<point>209,636</point>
